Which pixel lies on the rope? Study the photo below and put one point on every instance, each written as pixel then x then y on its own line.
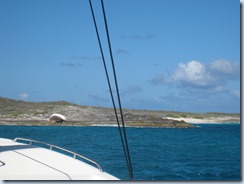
pixel 123 136
pixel 117 90
pixel 107 77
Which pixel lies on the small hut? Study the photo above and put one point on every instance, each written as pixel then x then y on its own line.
pixel 58 118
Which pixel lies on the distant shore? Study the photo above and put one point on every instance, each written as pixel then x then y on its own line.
pixel 166 124
pixel 169 122
pixel 14 112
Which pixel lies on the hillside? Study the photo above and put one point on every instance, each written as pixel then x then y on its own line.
pixel 38 113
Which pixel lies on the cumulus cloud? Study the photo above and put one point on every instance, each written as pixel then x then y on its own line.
pixel 193 73
pixel 24 96
pixel 212 86
pixel 198 75
pixel 225 69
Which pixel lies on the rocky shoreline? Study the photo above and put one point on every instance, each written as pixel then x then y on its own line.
pixel 13 112
pixel 127 124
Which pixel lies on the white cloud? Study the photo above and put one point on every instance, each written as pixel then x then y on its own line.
pixel 226 68
pixel 197 75
pixel 202 87
pixel 192 73
pixel 223 66
pixel 24 96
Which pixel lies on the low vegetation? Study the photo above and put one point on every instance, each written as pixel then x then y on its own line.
pixel 38 113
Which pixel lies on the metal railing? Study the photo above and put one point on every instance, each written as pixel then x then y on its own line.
pixel 75 155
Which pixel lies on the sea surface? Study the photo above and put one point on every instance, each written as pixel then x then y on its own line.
pixel 209 152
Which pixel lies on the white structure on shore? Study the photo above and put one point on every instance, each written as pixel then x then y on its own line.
pixel 58 118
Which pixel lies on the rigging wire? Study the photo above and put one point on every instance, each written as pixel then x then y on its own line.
pixel 117 90
pixel 123 136
pixel 108 81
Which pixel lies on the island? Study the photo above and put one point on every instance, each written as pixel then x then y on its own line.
pixel 16 112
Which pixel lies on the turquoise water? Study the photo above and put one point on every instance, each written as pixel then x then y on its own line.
pixel 210 152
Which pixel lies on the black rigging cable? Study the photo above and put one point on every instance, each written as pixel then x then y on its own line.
pixel 108 81
pixel 123 136
pixel 117 90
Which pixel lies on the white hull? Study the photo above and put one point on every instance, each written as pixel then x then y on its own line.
pixel 19 161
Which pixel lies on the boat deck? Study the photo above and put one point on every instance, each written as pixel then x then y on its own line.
pixel 19 161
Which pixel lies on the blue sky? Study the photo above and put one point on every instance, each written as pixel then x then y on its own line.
pixel 181 55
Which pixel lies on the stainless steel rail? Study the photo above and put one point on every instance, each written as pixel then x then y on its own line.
pixel 75 155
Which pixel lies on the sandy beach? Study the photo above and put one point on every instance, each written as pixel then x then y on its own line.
pixel 210 120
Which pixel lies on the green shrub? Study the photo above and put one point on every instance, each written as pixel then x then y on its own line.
pixel 197 117
pixel 172 116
